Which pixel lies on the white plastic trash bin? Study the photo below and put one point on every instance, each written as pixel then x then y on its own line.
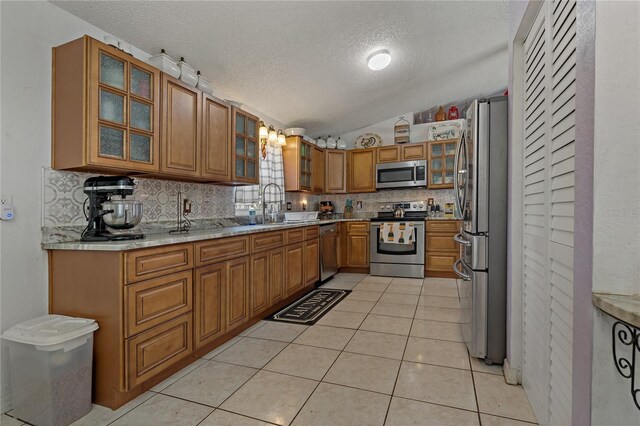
pixel 50 360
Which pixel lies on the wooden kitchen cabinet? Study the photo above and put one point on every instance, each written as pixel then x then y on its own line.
pixel 441 156
pixel 246 151
pixel 216 140
pixel 237 292
pixel 209 303
pixel 181 128
pixel 311 262
pixel 259 291
pixel 406 152
pixel 318 169
pixel 362 170
pixel 355 241
pixel 441 251
pixel 298 157
pixel 335 171
pixel 105 109
pixel 276 275
pixel 294 270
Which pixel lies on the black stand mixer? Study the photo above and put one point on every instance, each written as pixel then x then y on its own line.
pixel 104 211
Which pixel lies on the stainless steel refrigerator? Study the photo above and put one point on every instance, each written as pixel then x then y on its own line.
pixel 480 182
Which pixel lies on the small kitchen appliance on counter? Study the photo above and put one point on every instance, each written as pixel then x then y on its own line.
pixel 399 260
pixel 326 210
pixel 113 213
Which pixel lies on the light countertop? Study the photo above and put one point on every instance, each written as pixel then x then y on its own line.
pixel 621 306
pixel 165 238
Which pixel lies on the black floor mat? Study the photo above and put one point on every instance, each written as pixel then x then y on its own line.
pixel 311 307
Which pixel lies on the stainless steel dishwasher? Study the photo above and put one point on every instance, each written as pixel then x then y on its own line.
pixel 328 251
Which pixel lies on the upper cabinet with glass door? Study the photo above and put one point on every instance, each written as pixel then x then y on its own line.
pixel 115 127
pixel 442 156
pixel 246 147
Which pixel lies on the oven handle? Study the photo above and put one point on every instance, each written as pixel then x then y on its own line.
pixel 458 239
pixel 459 273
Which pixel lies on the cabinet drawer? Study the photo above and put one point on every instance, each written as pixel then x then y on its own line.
pixel 267 240
pixel 311 232
pixel 439 242
pixel 295 235
pixel 358 227
pixel 145 264
pixel 223 249
pixel 155 301
pixel 450 226
pixel 154 350
pixel 441 261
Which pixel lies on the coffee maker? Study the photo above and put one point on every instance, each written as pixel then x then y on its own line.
pixel 105 211
pixel 326 210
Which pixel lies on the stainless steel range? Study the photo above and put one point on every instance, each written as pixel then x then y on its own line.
pixel 398 259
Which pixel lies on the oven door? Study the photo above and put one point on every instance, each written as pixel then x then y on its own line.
pixel 406 174
pixel 397 253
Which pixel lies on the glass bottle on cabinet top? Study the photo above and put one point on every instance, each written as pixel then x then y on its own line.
pixel 246 147
pixel 441 163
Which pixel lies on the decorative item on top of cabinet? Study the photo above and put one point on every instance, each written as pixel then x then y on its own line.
pixel 298 160
pixel 245 140
pixel 441 115
pixel 181 127
pixel 335 164
pixel 362 168
pixel 441 163
pixel 441 249
pixel 106 109
pixel 401 131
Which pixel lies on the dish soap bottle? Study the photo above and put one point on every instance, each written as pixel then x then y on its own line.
pixel 252 216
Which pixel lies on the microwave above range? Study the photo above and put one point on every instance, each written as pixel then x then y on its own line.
pixel 403 174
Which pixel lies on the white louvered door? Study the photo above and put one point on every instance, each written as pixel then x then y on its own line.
pixel 548 167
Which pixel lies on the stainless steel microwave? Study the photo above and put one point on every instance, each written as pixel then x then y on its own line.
pixel 403 174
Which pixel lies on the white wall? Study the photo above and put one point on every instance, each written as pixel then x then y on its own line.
pixel 28 32
pixel 616 239
pixel 418 133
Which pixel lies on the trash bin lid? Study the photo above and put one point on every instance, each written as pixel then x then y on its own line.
pixel 50 330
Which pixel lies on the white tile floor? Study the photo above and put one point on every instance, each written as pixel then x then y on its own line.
pixel 390 353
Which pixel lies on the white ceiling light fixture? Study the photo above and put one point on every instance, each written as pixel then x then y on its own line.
pixel 379 60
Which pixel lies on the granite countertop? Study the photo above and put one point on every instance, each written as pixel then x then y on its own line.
pixel 621 306
pixel 165 238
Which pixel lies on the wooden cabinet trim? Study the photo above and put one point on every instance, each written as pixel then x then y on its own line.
pixel 152 302
pixel 150 263
pixel 218 250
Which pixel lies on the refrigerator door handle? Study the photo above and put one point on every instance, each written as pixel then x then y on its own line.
pixel 458 239
pixel 457 172
pixel 459 273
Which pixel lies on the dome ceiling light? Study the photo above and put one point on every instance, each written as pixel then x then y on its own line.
pixel 379 60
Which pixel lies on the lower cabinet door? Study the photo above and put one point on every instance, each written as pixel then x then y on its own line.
pixel 237 294
pixel 311 261
pixel 209 303
pixel 259 283
pixel 294 271
pixel 358 250
pixel 276 275
pixel 154 350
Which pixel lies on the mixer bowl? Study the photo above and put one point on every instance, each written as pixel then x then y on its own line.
pixel 126 213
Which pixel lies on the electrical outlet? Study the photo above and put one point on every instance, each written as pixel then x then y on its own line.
pixel 186 206
pixel 289 206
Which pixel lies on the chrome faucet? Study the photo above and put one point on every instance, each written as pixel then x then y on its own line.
pixel 264 203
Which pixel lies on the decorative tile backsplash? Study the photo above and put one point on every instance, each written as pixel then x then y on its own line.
pixel 63 199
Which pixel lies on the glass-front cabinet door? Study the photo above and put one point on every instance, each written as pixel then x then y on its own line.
pixel 124 93
pixel 441 163
pixel 305 166
pixel 247 148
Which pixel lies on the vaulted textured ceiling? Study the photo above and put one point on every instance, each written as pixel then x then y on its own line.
pixel 304 62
